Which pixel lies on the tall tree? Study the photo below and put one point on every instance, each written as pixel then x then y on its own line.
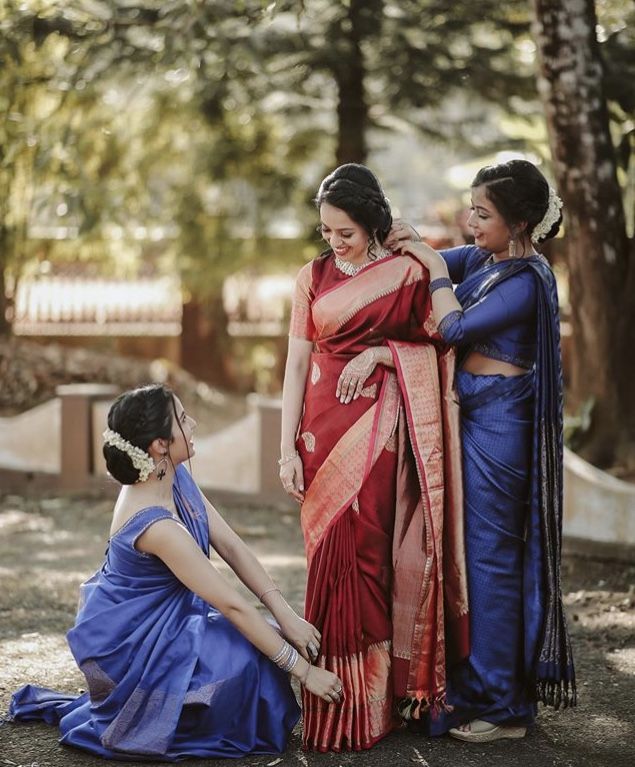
pixel 601 255
pixel 372 60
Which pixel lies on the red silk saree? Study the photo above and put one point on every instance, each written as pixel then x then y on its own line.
pixel 382 516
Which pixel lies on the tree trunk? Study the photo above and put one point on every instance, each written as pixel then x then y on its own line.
pixel 601 272
pixel 205 342
pixel 352 109
pixel 5 325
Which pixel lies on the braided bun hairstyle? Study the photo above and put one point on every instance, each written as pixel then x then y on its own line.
pixel 356 190
pixel 519 192
pixel 139 416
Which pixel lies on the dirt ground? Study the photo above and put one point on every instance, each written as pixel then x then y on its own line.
pixel 49 545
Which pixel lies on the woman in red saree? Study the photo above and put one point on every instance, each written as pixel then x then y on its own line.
pixel 370 448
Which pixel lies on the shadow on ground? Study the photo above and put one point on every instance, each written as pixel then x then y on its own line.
pixel 48 546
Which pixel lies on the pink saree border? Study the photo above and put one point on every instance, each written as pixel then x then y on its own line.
pixel 342 475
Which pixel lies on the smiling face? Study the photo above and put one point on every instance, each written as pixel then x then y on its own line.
pixel 183 425
pixel 491 231
pixel 348 239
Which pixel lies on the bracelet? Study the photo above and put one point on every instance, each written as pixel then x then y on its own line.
pixel 287 458
pixel 286 657
pixel 268 591
pixel 440 282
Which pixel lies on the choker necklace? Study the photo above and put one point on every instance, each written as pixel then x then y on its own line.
pixel 352 269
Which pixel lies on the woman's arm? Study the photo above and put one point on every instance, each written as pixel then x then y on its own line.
pixel 508 303
pixel 295 375
pixel 233 550
pixel 444 301
pixel 169 541
pixel 511 302
pixel 456 258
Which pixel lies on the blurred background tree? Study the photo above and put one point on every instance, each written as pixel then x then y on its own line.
pixel 584 85
pixel 204 127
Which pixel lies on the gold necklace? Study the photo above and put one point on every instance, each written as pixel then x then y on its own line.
pixel 349 269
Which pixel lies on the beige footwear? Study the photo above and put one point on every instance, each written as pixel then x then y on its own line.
pixel 485 732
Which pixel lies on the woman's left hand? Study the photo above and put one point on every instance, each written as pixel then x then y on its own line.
pixel 426 255
pixel 401 231
pixel 301 634
pixel 353 377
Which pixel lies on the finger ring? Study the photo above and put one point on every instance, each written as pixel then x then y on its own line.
pixel 339 690
pixel 313 650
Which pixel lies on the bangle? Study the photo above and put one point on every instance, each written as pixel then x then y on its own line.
pixel 440 282
pixel 286 657
pixel 268 591
pixel 287 458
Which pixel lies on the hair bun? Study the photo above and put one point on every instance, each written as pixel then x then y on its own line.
pixel 356 190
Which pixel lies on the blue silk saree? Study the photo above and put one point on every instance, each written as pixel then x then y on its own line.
pixel 512 472
pixel 168 676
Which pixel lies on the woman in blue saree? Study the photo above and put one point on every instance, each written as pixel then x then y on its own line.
pixel 504 320
pixel 178 664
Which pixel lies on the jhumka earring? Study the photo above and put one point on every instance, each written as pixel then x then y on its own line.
pixel 512 248
pixel 161 472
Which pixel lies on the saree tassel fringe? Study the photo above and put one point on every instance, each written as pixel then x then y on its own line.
pixel 412 709
pixel 557 694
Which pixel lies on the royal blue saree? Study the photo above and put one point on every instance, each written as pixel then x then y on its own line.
pixel 168 676
pixel 512 476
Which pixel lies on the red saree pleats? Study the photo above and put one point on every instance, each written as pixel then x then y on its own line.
pixel 373 526
pixel 349 597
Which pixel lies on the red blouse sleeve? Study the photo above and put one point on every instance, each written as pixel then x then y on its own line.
pixel 301 325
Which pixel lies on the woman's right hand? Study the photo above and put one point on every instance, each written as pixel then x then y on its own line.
pixel 325 684
pixel 292 478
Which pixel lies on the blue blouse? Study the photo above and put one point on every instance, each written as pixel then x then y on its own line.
pixel 502 325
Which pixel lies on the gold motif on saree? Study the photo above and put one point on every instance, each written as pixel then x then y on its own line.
pixel 370 392
pixel 355 505
pixel 315 373
pixel 309 441
pixel 430 326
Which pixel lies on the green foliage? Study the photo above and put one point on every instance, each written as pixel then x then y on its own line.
pixel 208 124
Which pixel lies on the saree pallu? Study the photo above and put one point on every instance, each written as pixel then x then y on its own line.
pixel 382 512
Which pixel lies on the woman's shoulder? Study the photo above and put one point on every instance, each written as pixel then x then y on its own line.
pixel 305 277
pixel 409 265
pixel 129 517
pixel 473 257
pixel 542 268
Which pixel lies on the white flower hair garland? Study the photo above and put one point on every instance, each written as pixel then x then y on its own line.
pixel 140 459
pixel 543 227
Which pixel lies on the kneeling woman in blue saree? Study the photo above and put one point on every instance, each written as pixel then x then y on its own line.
pixel 504 319
pixel 178 664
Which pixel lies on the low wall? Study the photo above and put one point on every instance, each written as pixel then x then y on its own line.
pixel 30 441
pixel 62 438
pixel 597 506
